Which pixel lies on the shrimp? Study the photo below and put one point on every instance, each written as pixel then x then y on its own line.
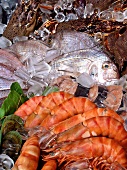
pixel 96 126
pixel 77 105
pixel 50 165
pixel 74 120
pixel 97 163
pixel 90 148
pixel 78 127
pixel 45 106
pixel 29 157
pixel 28 107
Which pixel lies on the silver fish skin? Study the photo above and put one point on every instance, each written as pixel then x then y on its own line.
pixel 79 54
pixel 9 59
pixel 7 72
pixel 70 53
pixel 34 49
pixel 9 64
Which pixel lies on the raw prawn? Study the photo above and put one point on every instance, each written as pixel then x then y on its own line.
pixel 89 148
pixel 29 157
pixel 45 106
pixel 28 107
pixel 50 165
pixel 67 109
pixel 97 163
pixel 74 120
pixel 96 126
pixel 78 127
pixel 75 106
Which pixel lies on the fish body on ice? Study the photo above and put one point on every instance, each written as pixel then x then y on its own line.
pixel 67 53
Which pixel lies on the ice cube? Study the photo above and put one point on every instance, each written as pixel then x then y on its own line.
pixel 85 80
pixel 4 42
pixel 71 16
pixel 98 37
pixel 20 38
pixel 106 15
pixel 125 14
pixel 2 28
pixel 60 17
pixel 13 4
pixel 57 8
pixel 88 9
pixel 118 16
pixel 5 5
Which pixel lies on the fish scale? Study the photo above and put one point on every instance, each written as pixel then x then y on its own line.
pixel 70 53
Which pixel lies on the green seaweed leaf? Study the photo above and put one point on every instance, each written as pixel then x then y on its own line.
pixel 15 98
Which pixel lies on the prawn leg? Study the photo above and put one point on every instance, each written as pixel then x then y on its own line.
pixel 89 148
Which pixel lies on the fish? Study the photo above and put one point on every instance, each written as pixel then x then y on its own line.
pixel 79 53
pixel 34 62
pixel 9 64
pixel 67 53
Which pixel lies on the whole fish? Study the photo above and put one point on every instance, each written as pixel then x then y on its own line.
pixel 67 53
pixel 9 63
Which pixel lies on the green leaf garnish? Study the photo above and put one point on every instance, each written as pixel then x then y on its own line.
pixel 15 98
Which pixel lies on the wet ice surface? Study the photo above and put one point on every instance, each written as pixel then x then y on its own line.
pixel 6 162
pixel 6 9
pixel 4 42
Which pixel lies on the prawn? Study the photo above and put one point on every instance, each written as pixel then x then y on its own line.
pixel 81 106
pixel 67 109
pixel 78 127
pixel 45 106
pixel 96 126
pixel 96 113
pixel 97 163
pixel 50 165
pixel 90 148
pixel 28 107
pixel 29 157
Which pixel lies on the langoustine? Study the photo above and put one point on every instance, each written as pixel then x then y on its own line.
pixel 84 126
pixel 96 126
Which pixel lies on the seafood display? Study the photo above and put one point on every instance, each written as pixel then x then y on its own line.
pixel 76 130
pixel 56 46
pixel 34 115
pixel 104 96
pixel 67 55
pixel 63 84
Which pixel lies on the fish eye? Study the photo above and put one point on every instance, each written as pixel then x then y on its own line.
pixel 92 74
pixel 105 66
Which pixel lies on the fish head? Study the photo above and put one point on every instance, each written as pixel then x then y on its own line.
pixel 105 72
